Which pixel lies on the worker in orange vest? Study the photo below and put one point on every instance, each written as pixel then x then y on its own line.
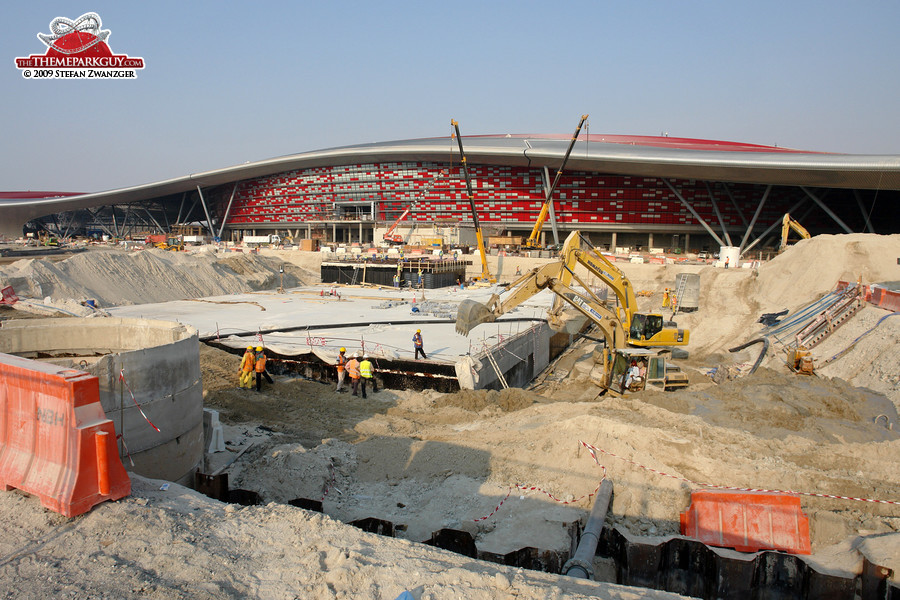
pixel 261 368
pixel 341 370
pixel 353 372
pixel 248 362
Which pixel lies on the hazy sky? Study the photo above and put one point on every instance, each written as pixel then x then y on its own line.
pixel 226 83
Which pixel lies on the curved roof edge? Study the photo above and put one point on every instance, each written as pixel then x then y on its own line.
pixel 677 158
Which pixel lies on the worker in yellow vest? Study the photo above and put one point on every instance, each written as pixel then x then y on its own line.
pixel 341 369
pixel 367 373
pixel 248 363
pixel 261 368
pixel 666 299
pixel 353 372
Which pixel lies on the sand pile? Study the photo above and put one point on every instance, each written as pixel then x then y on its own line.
pixel 114 277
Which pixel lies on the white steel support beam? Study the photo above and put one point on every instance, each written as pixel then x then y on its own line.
pixel 827 210
pixel 227 211
pixel 759 208
pixel 734 203
pixel 712 199
pixel 862 209
pixel 206 212
pixel 777 223
pixel 695 213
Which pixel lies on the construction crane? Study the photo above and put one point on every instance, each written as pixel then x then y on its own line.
pixel 395 238
pixel 532 241
pixel 643 330
pixel 479 236
pixel 787 223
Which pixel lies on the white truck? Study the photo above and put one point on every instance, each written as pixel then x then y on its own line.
pixel 261 240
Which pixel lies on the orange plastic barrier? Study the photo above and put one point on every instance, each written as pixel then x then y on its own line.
pixel 55 439
pixel 747 521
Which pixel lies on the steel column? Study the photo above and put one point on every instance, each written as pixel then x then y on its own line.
pixel 827 210
pixel 718 214
pixel 862 209
pixel 695 213
pixel 734 202
pixel 771 227
pixel 206 212
pixel 227 211
pixel 759 208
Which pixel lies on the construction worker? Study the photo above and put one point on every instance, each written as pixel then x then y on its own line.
pixel 417 342
pixel 674 302
pixel 666 298
pixel 367 373
pixel 261 368
pixel 341 371
pixel 353 372
pixel 248 362
pixel 420 278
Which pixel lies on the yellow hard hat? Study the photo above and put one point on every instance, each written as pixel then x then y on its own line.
pixel 249 347
pixel 418 331
pixel 343 349
pixel 259 348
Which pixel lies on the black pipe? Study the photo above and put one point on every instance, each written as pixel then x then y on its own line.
pixel 764 341
pixel 581 565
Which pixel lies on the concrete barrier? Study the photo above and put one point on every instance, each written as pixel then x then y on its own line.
pixel 149 381
pixel 55 441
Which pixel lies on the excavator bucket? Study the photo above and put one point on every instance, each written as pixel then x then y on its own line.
pixel 471 314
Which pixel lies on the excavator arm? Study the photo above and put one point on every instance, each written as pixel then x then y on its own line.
pixel 599 266
pixel 643 330
pixel 473 313
pixel 787 223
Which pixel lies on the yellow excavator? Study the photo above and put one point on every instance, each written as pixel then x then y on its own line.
pixel 787 223
pixel 642 329
pixel 486 276
pixel 621 326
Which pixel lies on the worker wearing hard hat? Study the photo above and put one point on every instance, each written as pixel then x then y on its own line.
pixel 367 373
pixel 353 372
pixel 341 369
pixel 261 368
pixel 666 299
pixel 245 372
pixel 417 342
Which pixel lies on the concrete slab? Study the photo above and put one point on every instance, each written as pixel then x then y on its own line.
pixel 378 321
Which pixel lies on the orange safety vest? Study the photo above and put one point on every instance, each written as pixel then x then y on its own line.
pixel 342 360
pixel 353 368
pixel 247 362
pixel 260 362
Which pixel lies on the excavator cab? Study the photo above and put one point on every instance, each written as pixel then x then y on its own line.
pixel 652 330
pixel 653 371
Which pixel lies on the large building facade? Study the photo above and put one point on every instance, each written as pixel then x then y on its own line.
pixel 663 192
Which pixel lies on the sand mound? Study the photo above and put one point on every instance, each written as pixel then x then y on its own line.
pixel 114 277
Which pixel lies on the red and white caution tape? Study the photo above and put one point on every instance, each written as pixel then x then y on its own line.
pixel 531 488
pixel 594 450
pixel 124 381
pixel 329 484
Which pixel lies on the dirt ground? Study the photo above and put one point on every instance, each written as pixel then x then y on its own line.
pixel 509 467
